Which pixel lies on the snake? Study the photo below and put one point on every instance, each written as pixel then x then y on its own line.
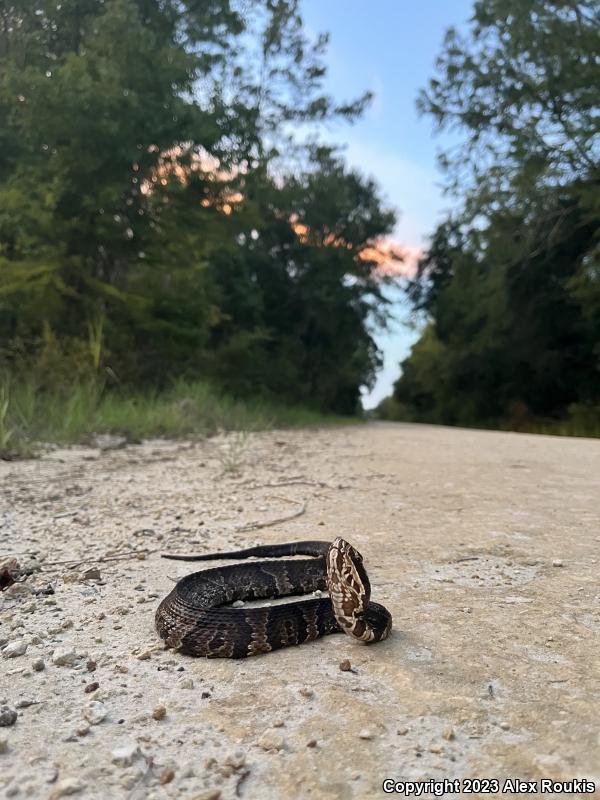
pixel 200 616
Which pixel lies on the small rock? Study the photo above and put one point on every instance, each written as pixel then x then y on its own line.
pixel 186 683
pixel 90 665
pixel 91 687
pixel 278 723
pixel 204 695
pixel 435 748
pixel 505 726
pixel 345 665
pixel 92 574
pixel 109 441
pixel 311 743
pixel 38 665
pixel 65 658
pixel 365 733
pixel 82 730
pixel 125 756
pixel 211 794
pixel 271 740
pixel 166 776
pixel 25 703
pixel 66 787
pixel 8 717
pixel 448 733
pixel 402 731
pixel 159 713
pixel 235 760
pixel 306 692
pixel 144 656
pixel 238 603
pixel 14 649
pixel 558 562
pixel 95 712
pixel 3 744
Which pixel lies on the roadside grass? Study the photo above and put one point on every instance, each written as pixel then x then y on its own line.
pixel 29 417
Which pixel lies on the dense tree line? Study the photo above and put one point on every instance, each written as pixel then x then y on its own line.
pixel 509 288
pixel 166 209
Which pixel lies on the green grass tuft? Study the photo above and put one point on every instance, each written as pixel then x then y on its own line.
pixel 29 417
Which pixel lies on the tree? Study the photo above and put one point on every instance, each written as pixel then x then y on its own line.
pixel 154 194
pixel 297 298
pixel 509 284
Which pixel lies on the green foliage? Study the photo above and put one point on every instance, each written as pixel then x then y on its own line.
pixel 29 417
pixel 148 215
pixel 509 285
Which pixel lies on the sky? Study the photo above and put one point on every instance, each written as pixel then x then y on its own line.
pixel 390 47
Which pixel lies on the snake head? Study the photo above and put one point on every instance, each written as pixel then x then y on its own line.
pixel 348 584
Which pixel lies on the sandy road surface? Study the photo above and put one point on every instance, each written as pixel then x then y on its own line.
pixel 485 547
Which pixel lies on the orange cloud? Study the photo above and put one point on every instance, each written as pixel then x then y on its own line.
pixel 394 259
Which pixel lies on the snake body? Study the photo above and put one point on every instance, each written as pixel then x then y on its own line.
pixel 194 617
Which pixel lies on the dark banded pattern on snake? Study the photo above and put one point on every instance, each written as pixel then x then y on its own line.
pixel 195 618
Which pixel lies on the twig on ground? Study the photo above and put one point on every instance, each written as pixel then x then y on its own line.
pixel 291 482
pixel 76 562
pixel 254 526
pixel 67 513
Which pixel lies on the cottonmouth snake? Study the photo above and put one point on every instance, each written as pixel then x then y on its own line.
pixel 194 619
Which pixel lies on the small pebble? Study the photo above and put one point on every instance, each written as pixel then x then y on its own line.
pixel 402 731
pixel 15 649
pixel 235 760
pixel 558 562
pixel 311 743
pixel 66 787
pixel 3 744
pixel 125 756
pixel 505 726
pixel 144 656
pixel 82 730
pixel 166 776
pixel 91 687
pixel 435 748
pixel 92 574
pixel 238 604
pixel 271 740
pixel 95 712
pixel 278 723
pixel 64 658
pixel 38 665
pixel 159 713
pixel 306 692
pixel 90 665
pixel 211 794
pixel 345 665
pixel 8 717
pixel 448 733
pixel 25 703
pixel 186 683
pixel 365 733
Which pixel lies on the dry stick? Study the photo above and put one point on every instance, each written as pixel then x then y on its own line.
pixel 291 482
pixel 75 562
pixel 254 526
pixel 67 513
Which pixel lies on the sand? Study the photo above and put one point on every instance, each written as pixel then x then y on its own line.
pixel 485 547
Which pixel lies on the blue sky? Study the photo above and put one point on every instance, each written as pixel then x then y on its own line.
pixel 389 47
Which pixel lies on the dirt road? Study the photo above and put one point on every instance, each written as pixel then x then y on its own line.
pixel 485 547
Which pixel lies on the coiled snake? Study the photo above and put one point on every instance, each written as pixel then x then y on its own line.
pixel 194 619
